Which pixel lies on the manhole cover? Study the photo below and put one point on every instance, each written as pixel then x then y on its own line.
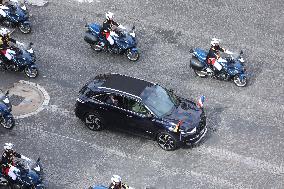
pixel 27 99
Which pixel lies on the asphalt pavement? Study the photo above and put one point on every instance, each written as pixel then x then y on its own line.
pixel 244 147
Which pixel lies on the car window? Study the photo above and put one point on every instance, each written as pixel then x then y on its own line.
pixel 135 106
pixel 114 100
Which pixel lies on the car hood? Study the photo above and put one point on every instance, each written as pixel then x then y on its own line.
pixel 187 112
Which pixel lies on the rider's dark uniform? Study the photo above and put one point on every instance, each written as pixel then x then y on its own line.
pixel 214 54
pixel 122 186
pixel 7 160
pixel 107 27
pixel 4 45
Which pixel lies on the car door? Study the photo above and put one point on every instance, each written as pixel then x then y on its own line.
pixel 139 120
pixel 111 107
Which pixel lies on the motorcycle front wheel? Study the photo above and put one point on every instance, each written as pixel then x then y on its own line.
pixel 240 82
pixel 25 28
pixel 31 72
pixel 133 56
pixel 8 123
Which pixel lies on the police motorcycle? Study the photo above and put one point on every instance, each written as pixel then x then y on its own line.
pixel 29 176
pixel 6 118
pixel 125 41
pixel 17 15
pixel 23 60
pixel 229 67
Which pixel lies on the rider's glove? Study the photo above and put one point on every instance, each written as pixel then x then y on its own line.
pixel 19 43
pixel 228 52
pixel 25 158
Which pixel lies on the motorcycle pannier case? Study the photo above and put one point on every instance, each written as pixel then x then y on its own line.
pixel 89 38
pixel 196 64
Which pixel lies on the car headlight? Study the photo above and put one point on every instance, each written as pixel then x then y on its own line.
pixel 189 132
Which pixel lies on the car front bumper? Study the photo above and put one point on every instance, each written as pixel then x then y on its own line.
pixel 194 139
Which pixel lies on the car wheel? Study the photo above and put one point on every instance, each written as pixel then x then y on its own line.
pixel 94 121
pixel 167 141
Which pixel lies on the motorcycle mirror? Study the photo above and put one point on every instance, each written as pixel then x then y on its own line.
pixel 38 160
pixel 133 27
pixel 31 43
pixel 7 93
pixel 242 52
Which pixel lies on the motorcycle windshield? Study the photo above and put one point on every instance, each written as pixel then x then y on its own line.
pixel 23 57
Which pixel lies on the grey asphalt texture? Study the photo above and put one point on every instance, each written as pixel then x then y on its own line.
pixel 244 147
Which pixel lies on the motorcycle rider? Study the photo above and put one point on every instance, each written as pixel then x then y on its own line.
pixel 2 6
pixel 5 50
pixel 214 54
pixel 7 161
pixel 107 28
pixel 116 183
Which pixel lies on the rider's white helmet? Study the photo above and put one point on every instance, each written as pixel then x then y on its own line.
pixel 215 42
pixel 115 178
pixel 109 15
pixel 4 31
pixel 8 146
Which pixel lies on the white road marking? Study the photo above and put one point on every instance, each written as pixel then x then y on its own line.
pixel 37 2
pixel 152 163
pixel 43 105
pixel 250 162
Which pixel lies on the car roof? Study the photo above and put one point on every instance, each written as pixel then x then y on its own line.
pixel 127 84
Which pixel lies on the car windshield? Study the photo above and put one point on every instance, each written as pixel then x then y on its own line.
pixel 160 101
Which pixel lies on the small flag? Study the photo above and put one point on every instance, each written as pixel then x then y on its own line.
pixel 176 129
pixel 201 101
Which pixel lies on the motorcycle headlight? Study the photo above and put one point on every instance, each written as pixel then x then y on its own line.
pixel 31 50
pixel 241 60
pixel 6 101
pixel 132 34
pixel 24 7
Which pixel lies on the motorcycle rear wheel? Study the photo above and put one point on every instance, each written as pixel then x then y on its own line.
pixel 240 83
pixel 31 72
pixel 25 28
pixel 133 56
pixel 199 73
pixel 96 47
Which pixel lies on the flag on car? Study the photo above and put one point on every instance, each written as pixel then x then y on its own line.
pixel 201 101
pixel 176 129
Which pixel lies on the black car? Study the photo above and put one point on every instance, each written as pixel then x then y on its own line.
pixel 144 108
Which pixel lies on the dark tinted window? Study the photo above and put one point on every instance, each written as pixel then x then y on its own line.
pixel 134 106
pixel 114 100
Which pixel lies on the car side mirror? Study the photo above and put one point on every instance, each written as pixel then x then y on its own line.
pixel 171 91
pixel 191 50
